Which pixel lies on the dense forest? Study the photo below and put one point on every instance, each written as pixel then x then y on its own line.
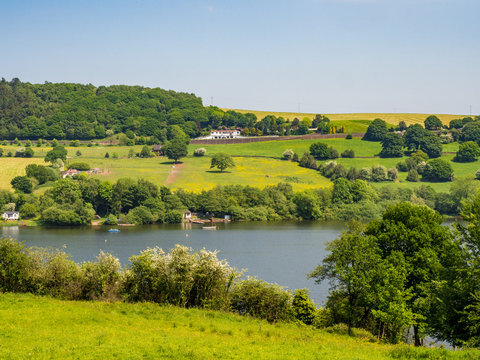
pixel 76 111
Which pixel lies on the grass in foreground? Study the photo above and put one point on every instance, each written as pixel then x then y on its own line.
pixel 45 328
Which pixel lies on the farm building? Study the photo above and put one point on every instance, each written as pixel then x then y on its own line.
pixel 11 215
pixel 158 150
pixel 224 134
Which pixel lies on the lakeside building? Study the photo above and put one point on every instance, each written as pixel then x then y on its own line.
pixel 11 215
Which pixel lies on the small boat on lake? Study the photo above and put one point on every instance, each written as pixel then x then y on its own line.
pixel 113 230
pixel 214 227
pixel 211 227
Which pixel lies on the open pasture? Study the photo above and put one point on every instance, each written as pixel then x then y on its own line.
pixel 391 118
pixel 257 164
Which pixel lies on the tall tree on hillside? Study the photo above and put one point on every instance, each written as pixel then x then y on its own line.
pixel 376 131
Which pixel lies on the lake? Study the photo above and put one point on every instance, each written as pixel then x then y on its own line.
pixel 276 252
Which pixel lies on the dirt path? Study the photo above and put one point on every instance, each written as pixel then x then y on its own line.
pixel 174 173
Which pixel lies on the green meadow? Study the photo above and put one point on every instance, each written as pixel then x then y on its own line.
pixel 36 327
pixel 257 164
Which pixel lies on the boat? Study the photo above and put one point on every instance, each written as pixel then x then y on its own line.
pixel 211 227
pixel 113 230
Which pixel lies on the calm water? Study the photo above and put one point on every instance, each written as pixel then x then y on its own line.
pixel 282 253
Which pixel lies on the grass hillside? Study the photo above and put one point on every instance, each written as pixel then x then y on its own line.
pixel 391 118
pixel 44 328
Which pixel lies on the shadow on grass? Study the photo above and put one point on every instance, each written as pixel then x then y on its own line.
pixel 171 163
pixel 219 172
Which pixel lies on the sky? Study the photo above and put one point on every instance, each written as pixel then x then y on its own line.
pixel 318 56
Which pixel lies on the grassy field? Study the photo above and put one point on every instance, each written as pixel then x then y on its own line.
pixel 258 164
pixel 391 118
pixel 44 328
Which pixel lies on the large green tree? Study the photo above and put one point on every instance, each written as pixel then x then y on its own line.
pixel 376 131
pixel 222 161
pixel 176 149
pixel 392 146
pixel 58 152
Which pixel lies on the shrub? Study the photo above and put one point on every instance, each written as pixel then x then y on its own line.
pixel 304 309
pixel 392 174
pixel 332 153
pixel 477 175
pixel 173 217
pixel 412 175
pixel 402 166
pixel 22 184
pixel 468 151
pixel 379 173
pixel 111 220
pixel 199 152
pixel 28 210
pixel 262 300
pixel 365 174
pixel 146 152
pixel 295 157
pixel 320 151
pixel 438 170
pixel 140 215
pixel 101 279
pixel 81 166
pixel 14 267
pixel 349 137
pixel 348 154
pixel 288 154
pixel 181 277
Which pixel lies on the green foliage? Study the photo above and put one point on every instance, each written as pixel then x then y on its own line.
pixel 413 175
pixel 146 152
pixel 288 154
pixel 22 184
pixel 58 152
pixel 263 300
pixel 176 148
pixel 392 146
pixel 433 123
pixel 81 166
pixel 468 151
pixel 140 215
pixel 376 131
pixel 111 220
pixel 199 152
pixel 222 161
pixel 438 170
pixel 350 154
pixel 303 307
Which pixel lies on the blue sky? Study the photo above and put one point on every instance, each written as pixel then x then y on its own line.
pixel 319 56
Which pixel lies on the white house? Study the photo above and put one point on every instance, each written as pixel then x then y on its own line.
pixel 224 134
pixel 11 215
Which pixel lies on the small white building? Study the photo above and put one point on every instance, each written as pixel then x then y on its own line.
pixel 224 134
pixel 10 215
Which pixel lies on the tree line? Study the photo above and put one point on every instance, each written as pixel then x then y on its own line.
pixel 407 271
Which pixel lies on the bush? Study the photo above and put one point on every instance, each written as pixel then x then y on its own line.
pixel 412 175
pixel 100 280
pixel 173 217
pixel 332 153
pixel 349 137
pixel 348 154
pixel 111 220
pixel 477 174
pixel 438 170
pixel 140 215
pixel 262 300
pixel 182 277
pixel 304 309
pixel 288 154
pixel 199 152
pixel 15 267
pixel 402 166
pixel 379 173
pixel 392 174
pixel 81 166
pixel 22 184
pixel 468 151
pixel 27 211
pixel 365 174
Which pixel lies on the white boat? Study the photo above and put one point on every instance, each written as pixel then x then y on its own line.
pixel 209 227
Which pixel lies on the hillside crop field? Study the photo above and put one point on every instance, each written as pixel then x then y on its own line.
pixel 257 164
pixel 44 328
pixel 391 118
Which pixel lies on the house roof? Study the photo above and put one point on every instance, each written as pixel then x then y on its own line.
pixel 225 131
pixel 11 212
pixel 157 147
